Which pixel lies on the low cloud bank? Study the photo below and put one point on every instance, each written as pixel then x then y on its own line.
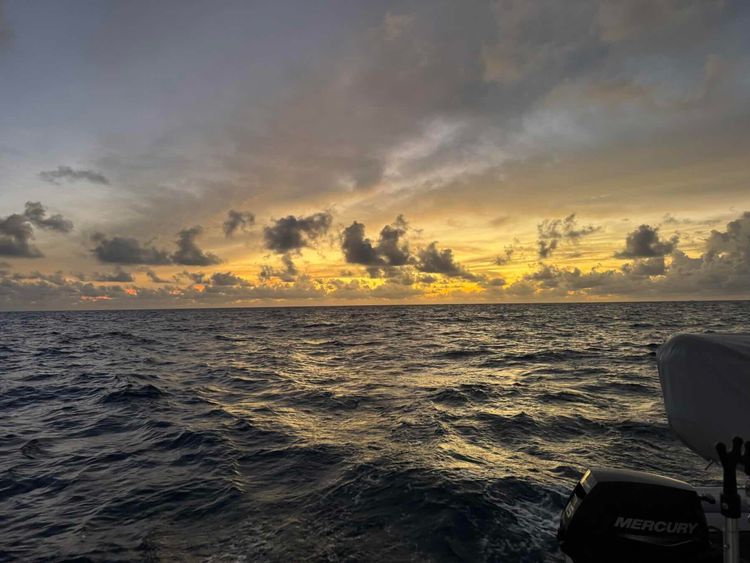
pixel 659 269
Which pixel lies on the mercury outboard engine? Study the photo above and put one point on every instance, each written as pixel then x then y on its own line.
pixel 616 515
pixel 630 516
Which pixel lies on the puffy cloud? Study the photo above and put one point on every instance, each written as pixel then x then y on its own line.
pixel 646 267
pixel 36 213
pixel 124 250
pixel 16 234
pixel 188 253
pixel 392 258
pixel 357 248
pixel 291 234
pixel 561 281
pixel 734 243
pixel 435 261
pixel 390 252
pixel 552 231
pixel 644 242
pixel 17 230
pixel 391 247
pixel 227 279
pixel 237 220
pixel 68 174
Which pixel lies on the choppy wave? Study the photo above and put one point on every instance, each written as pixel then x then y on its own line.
pixel 446 433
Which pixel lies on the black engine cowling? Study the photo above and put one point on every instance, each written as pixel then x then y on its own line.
pixel 619 515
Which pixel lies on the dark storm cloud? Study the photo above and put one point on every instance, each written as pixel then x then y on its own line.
pixel 68 174
pixel 552 231
pixel 291 234
pixel 118 275
pixel 435 261
pixel 237 220
pixel 644 242
pixel 124 250
pixel 188 253
pixel 17 230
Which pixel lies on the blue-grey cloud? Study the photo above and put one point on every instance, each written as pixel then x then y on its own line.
pixel 68 174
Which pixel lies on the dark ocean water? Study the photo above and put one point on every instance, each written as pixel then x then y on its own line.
pixel 445 433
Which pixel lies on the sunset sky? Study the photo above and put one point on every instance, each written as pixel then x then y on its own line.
pixel 194 154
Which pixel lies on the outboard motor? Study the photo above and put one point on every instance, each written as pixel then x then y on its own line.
pixel 630 516
pixel 615 515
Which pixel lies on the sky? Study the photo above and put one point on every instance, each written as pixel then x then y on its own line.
pixel 238 153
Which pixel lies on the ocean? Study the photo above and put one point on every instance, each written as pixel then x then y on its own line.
pixel 414 433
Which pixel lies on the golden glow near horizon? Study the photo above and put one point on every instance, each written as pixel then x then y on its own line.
pixel 498 152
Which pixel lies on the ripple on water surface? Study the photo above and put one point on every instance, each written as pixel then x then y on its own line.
pixel 446 433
